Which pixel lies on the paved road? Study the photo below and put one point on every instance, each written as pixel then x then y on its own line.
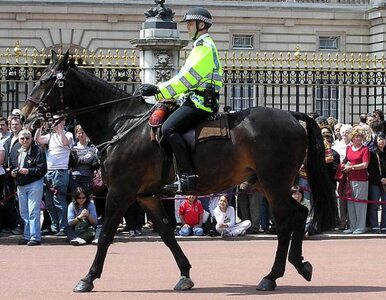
pixel 343 269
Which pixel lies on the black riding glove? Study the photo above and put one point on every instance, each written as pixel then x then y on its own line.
pixel 149 89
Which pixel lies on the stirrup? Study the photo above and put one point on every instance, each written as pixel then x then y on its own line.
pixel 184 185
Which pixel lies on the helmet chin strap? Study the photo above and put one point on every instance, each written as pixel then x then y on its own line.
pixel 197 30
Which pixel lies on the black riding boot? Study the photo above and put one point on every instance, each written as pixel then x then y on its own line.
pixel 187 182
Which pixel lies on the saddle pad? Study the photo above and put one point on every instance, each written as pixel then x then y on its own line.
pixel 214 129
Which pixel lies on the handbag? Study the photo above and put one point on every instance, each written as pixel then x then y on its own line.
pixel 73 159
pixel 345 188
pixel 85 230
pixel 339 175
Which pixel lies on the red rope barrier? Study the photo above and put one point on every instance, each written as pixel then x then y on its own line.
pixel 5 199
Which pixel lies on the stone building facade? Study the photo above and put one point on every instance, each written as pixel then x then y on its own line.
pixel 258 33
pixel 350 26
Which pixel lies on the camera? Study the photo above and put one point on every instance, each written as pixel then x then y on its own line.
pixel 16 170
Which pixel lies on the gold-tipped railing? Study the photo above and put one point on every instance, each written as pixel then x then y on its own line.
pixel 129 59
pixel 106 58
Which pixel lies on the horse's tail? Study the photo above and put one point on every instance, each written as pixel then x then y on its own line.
pixel 323 193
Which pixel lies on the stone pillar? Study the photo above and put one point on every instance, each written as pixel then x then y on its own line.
pixel 159 44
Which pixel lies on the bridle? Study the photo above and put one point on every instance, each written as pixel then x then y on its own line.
pixel 64 112
pixel 44 111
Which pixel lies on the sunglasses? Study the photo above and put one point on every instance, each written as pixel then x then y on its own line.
pixel 82 197
pixel 25 138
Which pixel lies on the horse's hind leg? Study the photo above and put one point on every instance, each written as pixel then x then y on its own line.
pixel 295 253
pixel 268 283
pixel 116 205
pixel 155 209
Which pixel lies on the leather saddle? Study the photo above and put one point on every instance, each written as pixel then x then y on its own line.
pixel 213 129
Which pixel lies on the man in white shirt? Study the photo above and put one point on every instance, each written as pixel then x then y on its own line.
pixel 57 178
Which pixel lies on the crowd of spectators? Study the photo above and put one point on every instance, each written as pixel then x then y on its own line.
pixel 36 175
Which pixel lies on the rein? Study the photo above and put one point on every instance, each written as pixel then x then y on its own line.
pixel 65 112
pixel 116 138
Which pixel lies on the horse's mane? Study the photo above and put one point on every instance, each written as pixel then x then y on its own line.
pixel 100 86
pixel 122 113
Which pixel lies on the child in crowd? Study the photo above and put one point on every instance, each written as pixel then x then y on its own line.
pixel 191 215
pixel 225 218
pixel 297 193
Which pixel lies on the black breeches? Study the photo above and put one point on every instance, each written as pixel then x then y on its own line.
pixel 183 119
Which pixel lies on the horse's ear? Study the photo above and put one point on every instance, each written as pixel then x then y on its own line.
pixel 54 56
pixel 64 61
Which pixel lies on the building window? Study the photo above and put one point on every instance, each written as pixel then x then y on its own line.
pixel 242 41
pixel 329 43
pixel 327 100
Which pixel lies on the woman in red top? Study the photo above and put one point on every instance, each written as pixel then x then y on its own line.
pixel 357 160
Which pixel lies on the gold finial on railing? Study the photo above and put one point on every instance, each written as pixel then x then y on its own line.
pixel 305 60
pixel 249 59
pixel 383 61
pixel 257 59
pixel 288 59
pixel 241 59
pixel 43 55
pixel 92 57
pixel 109 57
pixel 321 60
pixel 265 59
pixel 352 60
pixel 344 60
pixel 297 56
pixel 233 59
pixel 313 60
pixel 100 57
pixel 125 58
pixel 117 57
pixel 360 61
pixel 35 55
pixel 133 58
pixel 76 56
pixel 375 61
pixel 329 60
pixel 281 60
pixel 336 60
pixel 273 59
pixel 17 51
pixel 60 53
pixel 26 56
pixel 225 58
pixel 7 55
pixel 367 61
pixel 84 57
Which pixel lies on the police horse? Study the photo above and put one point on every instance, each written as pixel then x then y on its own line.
pixel 267 147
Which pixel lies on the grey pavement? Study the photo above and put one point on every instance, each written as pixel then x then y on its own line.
pixel 150 236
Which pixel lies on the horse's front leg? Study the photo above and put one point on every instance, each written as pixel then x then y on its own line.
pixel 116 205
pixel 154 208
pixel 295 253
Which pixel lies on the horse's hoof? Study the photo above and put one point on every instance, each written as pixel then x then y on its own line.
pixel 266 285
pixel 184 284
pixel 306 271
pixel 83 287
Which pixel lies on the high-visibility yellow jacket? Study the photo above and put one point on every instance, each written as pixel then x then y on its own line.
pixel 202 69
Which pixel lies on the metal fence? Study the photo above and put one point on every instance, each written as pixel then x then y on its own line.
pixel 340 85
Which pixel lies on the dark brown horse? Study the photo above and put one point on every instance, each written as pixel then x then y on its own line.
pixel 267 147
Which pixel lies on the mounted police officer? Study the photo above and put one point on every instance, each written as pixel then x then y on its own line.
pixel 196 87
